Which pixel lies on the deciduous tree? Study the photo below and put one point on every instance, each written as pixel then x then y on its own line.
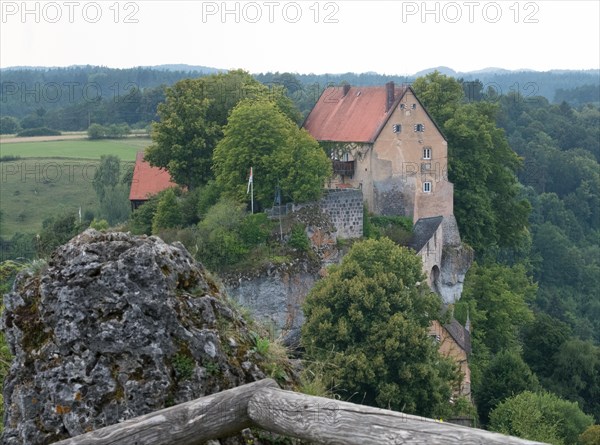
pixel 368 321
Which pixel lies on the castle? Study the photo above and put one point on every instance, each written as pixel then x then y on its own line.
pixel 383 141
pixel 389 153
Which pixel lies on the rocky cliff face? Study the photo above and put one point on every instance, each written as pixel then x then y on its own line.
pixel 115 327
pixel 456 261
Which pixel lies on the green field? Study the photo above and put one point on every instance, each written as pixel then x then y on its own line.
pixel 82 149
pixel 53 177
pixel 33 189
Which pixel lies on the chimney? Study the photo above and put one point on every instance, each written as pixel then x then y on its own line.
pixel 346 88
pixel 389 88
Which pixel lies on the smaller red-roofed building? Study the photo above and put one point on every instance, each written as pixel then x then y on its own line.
pixel 147 181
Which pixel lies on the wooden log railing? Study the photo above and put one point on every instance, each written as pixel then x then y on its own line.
pixel 262 404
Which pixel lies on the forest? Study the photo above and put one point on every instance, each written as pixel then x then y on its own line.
pixel 527 200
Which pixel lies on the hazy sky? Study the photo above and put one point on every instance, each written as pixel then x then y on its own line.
pixel 391 37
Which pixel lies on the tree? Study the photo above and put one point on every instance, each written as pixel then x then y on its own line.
pixel 441 95
pixel 115 205
pixel 57 230
pixel 168 213
pixel 481 165
pixel 9 125
pixel 576 374
pixel 107 175
pixel 192 119
pixel 591 436
pixel 368 321
pixel 506 376
pixel 260 136
pixel 498 299
pixel 541 340
pixel 542 417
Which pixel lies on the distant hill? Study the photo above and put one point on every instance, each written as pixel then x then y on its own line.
pixel 68 98
pixel 187 68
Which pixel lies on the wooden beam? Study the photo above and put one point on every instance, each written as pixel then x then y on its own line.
pixel 216 416
pixel 333 422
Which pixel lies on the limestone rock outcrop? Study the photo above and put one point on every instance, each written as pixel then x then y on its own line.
pixel 116 326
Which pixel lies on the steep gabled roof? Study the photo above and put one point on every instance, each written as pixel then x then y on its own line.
pixel 355 114
pixel 423 230
pixel 148 180
pixel 461 336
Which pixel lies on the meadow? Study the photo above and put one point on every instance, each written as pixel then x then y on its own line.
pixel 79 149
pixel 53 177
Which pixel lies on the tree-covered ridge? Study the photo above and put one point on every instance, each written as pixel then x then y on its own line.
pixel 73 98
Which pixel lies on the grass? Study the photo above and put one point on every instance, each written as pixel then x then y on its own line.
pixel 33 189
pixel 53 177
pixel 125 148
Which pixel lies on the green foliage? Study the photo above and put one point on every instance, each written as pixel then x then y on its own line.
pixel 9 125
pixel 542 417
pixel 591 436
pixel 112 192
pixel 56 231
pixel 41 131
pixel 259 135
pixel 481 165
pixel 396 228
pixel 576 374
pixel 542 339
pixel 262 345
pixel 140 220
pixel 184 366
pixel 114 131
pixel 255 229
pixel 498 299
pixel 368 319
pixel 168 212
pixel 208 196
pixel 298 238
pixel 506 376
pixel 219 240
pixel 101 224
pixel 441 94
pixel 107 174
pixel 192 118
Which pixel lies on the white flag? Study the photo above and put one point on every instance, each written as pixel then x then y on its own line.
pixel 250 180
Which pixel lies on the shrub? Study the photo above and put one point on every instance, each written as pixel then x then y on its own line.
pixel 590 436
pixel 101 224
pixel 298 239
pixel 41 131
pixel 544 417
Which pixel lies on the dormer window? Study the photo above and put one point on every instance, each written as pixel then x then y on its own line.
pixel 427 153
pixel 419 128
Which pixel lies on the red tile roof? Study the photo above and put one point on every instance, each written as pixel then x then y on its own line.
pixel 357 116
pixel 148 180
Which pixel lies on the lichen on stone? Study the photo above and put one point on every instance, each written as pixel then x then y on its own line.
pixel 117 326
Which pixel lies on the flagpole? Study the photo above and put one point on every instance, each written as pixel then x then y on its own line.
pixel 252 196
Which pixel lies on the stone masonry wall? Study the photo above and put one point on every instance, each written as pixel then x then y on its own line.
pixel 345 210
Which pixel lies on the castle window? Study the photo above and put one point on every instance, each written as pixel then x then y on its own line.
pixel 402 106
pixel 419 127
pixel 427 153
pixel 414 106
pixel 397 128
pixel 427 187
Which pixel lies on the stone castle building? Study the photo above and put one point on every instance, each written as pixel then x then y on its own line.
pixel 383 141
